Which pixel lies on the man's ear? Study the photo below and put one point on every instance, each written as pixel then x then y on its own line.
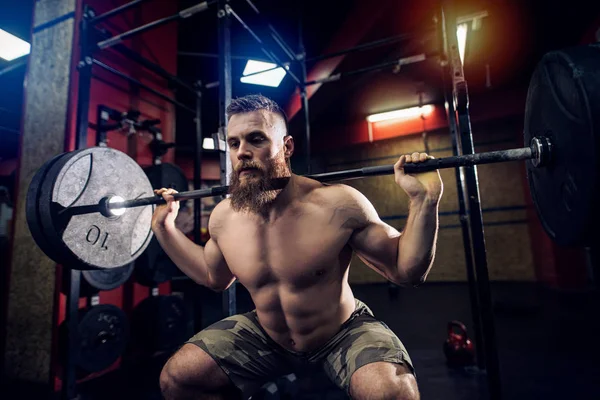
pixel 288 146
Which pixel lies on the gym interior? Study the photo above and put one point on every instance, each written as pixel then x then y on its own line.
pixel 508 308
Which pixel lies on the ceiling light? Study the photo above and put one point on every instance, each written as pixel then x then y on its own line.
pixel 208 144
pixel 271 77
pixel 461 35
pixel 12 47
pixel 402 114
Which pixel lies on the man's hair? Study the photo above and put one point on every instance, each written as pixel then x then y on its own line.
pixel 256 102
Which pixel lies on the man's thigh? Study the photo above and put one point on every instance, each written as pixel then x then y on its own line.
pixel 365 341
pixel 242 351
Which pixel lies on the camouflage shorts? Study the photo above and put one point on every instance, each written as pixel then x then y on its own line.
pixel 250 357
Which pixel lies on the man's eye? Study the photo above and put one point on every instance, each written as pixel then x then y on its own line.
pixel 233 145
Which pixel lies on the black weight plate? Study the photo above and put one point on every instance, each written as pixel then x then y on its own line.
pixel 101 337
pixel 95 280
pixel 108 279
pixel 159 323
pixel 154 266
pixel 92 241
pixel 563 104
pixel 32 210
pixel 167 176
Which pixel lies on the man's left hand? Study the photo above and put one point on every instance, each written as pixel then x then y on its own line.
pixel 419 186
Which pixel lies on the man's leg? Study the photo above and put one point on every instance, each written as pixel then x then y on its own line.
pixel 383 380
pixel 192 374
pixel 368 361
pixel 230 358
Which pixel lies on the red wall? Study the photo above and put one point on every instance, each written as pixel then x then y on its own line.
pixel 160 46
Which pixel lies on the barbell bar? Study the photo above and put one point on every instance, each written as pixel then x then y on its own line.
pixel 77 214
pixel 539 152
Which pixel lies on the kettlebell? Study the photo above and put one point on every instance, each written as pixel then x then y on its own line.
pixel 458 348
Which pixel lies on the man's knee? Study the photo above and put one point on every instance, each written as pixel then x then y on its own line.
pixel 191 369
pixel 384 381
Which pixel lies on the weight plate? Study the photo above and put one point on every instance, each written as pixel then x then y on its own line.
pixel 563 104
pixel 167 176
pixel 108 279
pixel 95 280
pixel 154 266
pixel 92 241
pixel 159 323
pixel 101 337
pixel 32 210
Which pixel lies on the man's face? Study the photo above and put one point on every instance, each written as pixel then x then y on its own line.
pixel 259 151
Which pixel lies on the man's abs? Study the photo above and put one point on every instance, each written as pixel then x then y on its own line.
pixel 303 321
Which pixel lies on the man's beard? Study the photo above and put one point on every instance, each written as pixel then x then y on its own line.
pixel 255 193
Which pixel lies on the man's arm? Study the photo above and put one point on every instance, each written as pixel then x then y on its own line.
pixel 406 258
pixel 403 258
pixel 204 265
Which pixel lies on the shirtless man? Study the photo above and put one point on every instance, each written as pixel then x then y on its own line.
pixel 291 249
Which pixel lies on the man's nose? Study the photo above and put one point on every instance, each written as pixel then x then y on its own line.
pixel 244 152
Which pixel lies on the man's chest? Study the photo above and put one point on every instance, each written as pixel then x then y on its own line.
pixel 295 248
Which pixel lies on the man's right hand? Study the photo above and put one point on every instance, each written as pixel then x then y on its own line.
pixel 164 215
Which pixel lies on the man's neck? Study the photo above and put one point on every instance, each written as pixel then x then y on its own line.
pixel 284 198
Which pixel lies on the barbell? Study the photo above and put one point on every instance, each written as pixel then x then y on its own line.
pixel 78 215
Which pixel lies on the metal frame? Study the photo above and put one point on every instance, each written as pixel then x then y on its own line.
pixel 457 94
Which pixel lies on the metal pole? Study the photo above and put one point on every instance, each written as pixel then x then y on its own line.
pixel 268 53
pixel 198 168
pixel 365 46
pixel 463 213
pixel 214 55
pixel 303 93
pixel 461 98
pixel 136 57
pixel 188 12
pixel 225 89
pixel 141 85
pixel 69 379
pixel 399 62
pixel 115 11
pixel 277 38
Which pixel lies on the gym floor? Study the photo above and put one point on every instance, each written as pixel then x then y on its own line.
pixel 547 341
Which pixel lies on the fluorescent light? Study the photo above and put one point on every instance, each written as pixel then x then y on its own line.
pixel 401 114
pixel 461 35
pixel 271 77
pixel 208 144
pixel 12 47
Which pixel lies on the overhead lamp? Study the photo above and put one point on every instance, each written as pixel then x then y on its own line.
pixel 461 36
pixel 271 74
pixel 402 114
pixel 12 47
pixel 208 144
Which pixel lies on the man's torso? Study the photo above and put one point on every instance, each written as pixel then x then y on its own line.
pixel 295 266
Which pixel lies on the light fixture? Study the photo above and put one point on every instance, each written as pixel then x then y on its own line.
pixel 208 144
pixel 402 114
pixel 461 35
pixel 272 75
pixel 12 47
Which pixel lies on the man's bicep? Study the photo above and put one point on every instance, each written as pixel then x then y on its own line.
pixel 376 244
pixel 219 274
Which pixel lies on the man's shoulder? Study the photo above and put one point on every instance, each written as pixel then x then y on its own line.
pixel 339 193
pixel 219 215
